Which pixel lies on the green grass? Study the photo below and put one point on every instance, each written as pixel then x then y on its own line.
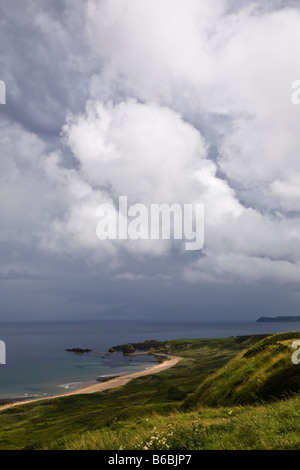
pixel 272 427
pixel 165 411
pixel 263 373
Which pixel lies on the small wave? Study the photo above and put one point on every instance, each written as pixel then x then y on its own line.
pixel 70 385
pixel 112 375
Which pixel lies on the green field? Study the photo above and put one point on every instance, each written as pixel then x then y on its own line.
pixel 232 393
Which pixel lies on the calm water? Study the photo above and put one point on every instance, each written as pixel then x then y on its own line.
pixel 38 365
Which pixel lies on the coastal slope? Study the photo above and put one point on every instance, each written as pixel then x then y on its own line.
pixel 263 373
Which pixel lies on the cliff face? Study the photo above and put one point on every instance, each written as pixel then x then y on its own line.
pixel 279 319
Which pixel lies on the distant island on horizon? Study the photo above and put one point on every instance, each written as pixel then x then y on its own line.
pixel 279 319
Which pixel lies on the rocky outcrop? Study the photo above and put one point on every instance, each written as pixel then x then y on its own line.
pixel 79 350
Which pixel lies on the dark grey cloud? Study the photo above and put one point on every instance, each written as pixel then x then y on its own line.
pixel 42 62
pixel 13 275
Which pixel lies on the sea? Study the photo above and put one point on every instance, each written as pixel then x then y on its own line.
pixel 38 365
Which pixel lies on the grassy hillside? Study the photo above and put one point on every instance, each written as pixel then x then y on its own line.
pixel 272 427
pixel 263 373
pixel 155 411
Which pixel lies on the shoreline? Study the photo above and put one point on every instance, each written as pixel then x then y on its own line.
pixel 107 385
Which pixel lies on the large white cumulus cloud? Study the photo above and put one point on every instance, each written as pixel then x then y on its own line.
pixel 140 150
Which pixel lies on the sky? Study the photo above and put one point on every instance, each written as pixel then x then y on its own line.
pixel 161 101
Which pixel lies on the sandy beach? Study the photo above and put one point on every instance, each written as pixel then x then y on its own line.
pixel 102 386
